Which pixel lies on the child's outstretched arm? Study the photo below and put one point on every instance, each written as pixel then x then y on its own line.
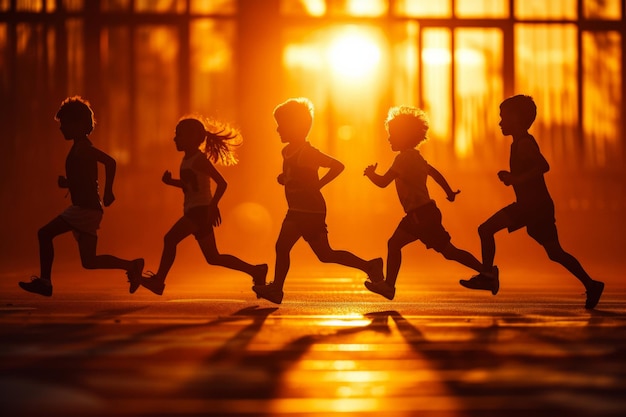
pixel 110 167
pixel 380 180
pixel 439 179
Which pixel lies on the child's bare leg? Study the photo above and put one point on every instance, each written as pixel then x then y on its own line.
pixel 286 239
pixel 486 231
pixel 397 241
pixel 46 249
pixel 181 229
pixel 87 247
pixel 461 256
pixel 557 254
pixel 326 254
pixel 213 257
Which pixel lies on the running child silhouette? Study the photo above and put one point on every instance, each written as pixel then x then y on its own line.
pixel 306 212
pixel 407 128
pixel 83 217
pixel 533 208
pixel 200 211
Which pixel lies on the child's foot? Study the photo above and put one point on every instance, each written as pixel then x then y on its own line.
pixel 270 292
pixel 381 288
pixel 375 270
pixel 483 281
pixel 258 278
pixel 134 275
pixel 594 291
pixel 38 286
pixel 153 283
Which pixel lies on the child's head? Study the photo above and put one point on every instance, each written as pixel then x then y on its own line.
pixel 215 139
pixel 76 117
pixel 407 127
pixel 294 118
pixel 517 114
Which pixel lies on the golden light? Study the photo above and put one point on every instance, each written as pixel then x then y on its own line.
pixel 353 54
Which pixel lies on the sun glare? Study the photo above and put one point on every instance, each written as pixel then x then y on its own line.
pixel 353 55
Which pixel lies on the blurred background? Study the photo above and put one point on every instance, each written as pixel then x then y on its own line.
pixel 145 63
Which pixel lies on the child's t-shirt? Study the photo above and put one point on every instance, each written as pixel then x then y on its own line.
pixel 300 170
pixel 81 170
pixel 196 183
pixel 411 171
pixel 534 192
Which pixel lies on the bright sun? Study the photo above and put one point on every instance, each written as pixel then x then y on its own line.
pixel 353 54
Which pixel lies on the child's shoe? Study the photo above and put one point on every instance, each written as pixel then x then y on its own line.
pixel 134 275
pixel 258 278
pixel 38 286
pixel 381 288
pixel 270 292
pixel 153 283
pixel 375 270
pixel 593 294
pixel 484 282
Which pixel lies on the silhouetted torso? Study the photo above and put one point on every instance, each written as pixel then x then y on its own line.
pixel 300 167
pixel 81 169
pixel 196 184
pixel 533 192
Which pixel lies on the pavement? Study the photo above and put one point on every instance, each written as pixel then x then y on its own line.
pixel 331 348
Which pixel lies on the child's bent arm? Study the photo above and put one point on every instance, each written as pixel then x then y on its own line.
pixel 167 179
pixel 110 167
pixel 440 179
pixel 208 168
pixel 535 161
pixel 334 169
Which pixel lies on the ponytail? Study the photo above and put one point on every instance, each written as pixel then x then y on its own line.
pixel 220 143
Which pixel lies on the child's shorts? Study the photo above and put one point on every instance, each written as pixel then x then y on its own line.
pixel 539 222
pixel 199 216
pixel 425 224
pixel 309 225
pixel 82 220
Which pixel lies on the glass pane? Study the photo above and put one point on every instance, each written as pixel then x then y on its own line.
pixel 213 6
pixel 29 5
pixel 423 8
pixel 75 56
pixel 369 8
pixel 5 5
pixel 478 90
pixel 4 60
pixel 160 6
pixel 545 68
pixel 212 78
pixel 114 5
pixel 73 5
pixel 542 9
pixel 602 9
pixel 602 104
pixel 156 76
pixel 303 7
pixel 405 64
pixel 436 80
pixel 482 8
pixel 115 47
pixel 30 64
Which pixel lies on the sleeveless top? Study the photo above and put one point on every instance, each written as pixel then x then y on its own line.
pixel 196 184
